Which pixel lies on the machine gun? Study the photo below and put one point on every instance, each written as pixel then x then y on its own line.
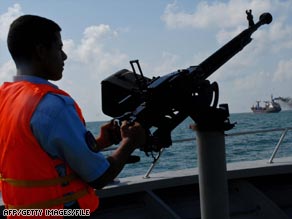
pixel 160 104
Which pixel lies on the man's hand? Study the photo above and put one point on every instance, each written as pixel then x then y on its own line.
pixel 134 133
pixel 133 136
pixel 109 134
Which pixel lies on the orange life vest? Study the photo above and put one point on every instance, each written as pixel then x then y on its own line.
pixel 28 174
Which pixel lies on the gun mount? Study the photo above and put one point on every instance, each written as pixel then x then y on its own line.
pixel 160 104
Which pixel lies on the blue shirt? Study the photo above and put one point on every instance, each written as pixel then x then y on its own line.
pixel 60 132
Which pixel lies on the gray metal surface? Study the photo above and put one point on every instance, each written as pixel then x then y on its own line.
pixel 256 190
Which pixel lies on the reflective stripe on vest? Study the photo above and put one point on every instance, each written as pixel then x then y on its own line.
pixel 39 183
pixel 53 202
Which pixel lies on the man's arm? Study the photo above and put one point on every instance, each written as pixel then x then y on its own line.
pixel 132 137
pixel 61 133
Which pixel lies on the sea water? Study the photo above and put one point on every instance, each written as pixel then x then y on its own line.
pixel 183 154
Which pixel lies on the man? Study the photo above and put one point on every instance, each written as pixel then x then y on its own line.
pixel 48 158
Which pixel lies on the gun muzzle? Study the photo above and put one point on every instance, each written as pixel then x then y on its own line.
pixel 266 18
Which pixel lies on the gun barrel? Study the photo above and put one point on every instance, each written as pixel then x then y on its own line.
pixel 222 55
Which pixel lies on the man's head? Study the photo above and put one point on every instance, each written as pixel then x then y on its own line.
pixel 35 43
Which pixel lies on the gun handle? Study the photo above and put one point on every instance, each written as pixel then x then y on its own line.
pixel 133 159
pixel 115 133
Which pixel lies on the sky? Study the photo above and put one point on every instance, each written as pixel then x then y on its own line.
pixel 100 37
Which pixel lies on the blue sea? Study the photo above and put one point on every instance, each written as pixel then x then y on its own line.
pixel 183 154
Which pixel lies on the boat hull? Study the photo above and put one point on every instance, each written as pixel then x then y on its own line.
pixel 274 110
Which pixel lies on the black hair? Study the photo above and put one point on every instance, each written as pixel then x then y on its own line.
pixel 28 31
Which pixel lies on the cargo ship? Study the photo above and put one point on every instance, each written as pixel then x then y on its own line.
pixel 269 107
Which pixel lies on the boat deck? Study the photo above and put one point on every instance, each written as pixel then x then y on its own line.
pixel 257 189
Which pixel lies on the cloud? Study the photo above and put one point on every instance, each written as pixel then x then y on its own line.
pixel 280 33
pixel 93 51
pixel 216 14
pixel 167 64
pixel 6 19
pixel 223 19
pixel 89 62
pixel 91 43
pixel 262 68
pixel 228 18
pixel 7 70
pixel 283 72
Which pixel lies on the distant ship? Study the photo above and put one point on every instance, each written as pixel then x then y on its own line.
pixel 269 107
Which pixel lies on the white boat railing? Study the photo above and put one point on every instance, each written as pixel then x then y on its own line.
pixel 277 146
pixel 284 132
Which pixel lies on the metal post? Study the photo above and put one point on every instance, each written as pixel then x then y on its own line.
pixel 212 175
pixel 278 145
pixel 153 164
